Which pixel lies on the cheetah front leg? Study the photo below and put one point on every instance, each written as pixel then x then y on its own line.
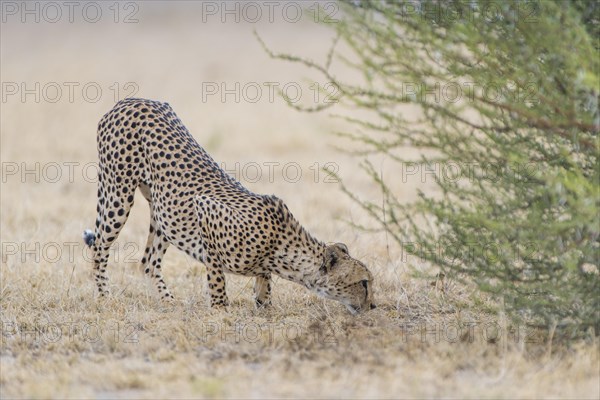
pixel 216 285
pixel 262 291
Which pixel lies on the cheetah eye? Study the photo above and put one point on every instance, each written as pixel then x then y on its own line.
pixel 365 284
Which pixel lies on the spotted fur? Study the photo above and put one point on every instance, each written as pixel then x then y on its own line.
pixel 204 212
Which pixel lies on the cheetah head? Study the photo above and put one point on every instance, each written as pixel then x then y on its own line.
pixel 344 279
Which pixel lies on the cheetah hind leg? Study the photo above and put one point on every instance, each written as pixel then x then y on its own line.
pixel 109 222
pixel 262 291
pixel 153 266
pixel 156 247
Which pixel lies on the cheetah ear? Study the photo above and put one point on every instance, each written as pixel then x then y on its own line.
pixel 329 260
pixel 332 256
pixel 342 247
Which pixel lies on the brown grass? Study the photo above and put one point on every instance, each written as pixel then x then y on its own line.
pixel 426 339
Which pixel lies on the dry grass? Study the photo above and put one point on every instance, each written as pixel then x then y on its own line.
pixel 58 341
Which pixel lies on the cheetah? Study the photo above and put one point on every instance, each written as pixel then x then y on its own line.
pixel 203 211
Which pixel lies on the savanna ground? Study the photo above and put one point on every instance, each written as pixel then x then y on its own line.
pixel 425 339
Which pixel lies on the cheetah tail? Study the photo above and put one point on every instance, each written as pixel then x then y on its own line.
pixel 88 237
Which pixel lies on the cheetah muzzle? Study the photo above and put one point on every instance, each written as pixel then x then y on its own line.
pixel 204 212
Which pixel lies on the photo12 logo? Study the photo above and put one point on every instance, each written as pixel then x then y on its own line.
pixel 456 92
pixel 69 11
pixel 53 172
pixel 263 332
pixel 474 172
pixel 289 172
pixel 522 253
pixel 49 172
pixel 269 11
pixel 492 11
pixel 69 92
pixel 465 332
pixel 45 332
pixel 254 92
pixel 58 253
